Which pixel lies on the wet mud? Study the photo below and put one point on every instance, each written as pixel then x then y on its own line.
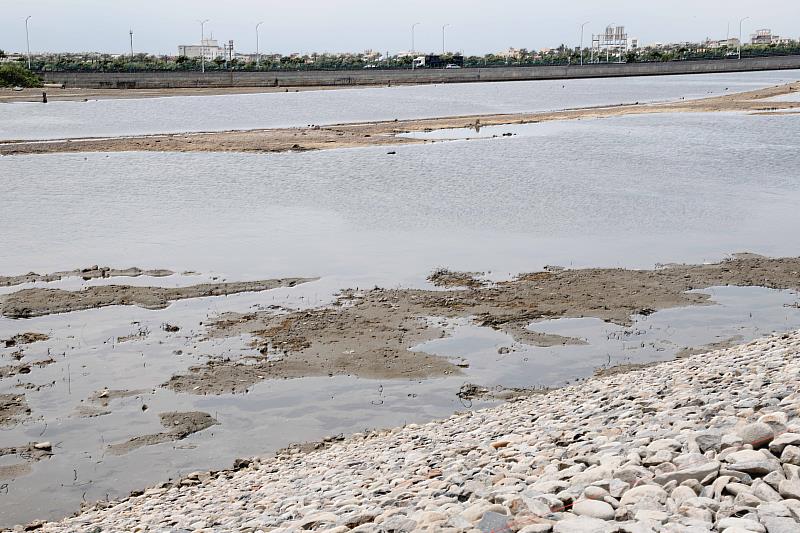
pixel 92 272
pixel 369 334
pixel 178 426
pixel 29 303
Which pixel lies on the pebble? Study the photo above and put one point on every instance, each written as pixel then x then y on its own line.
pixel 707 443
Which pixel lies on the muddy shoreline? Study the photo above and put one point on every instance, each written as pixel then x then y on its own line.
pixel 386 133
pixel 29 303
pixel 369 334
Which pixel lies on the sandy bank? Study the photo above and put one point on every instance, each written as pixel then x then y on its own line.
pixel 385 133
pixel 701 444
pixel 79 95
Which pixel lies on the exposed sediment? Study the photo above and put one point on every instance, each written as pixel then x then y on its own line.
pixel 177 426
pixel 29 303
pixel 92 272
pixel 385 133
pixel 706 443
pixel 368 334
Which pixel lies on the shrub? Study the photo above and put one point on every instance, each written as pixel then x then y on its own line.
pixel 13 75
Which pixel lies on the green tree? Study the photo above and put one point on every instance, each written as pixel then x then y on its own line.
pixel 16 75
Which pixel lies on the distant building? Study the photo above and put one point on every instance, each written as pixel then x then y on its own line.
pixel 765 36
pixel 209 48
pixel 732 42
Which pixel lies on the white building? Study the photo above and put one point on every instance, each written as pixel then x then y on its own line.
pixel 209 48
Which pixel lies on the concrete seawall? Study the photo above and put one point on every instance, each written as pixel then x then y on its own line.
pixel 165 80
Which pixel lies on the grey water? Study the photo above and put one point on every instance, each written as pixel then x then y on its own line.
pixel 249 111
pixel 626 191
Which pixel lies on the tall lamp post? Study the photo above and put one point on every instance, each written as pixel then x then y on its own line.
pixel 203 45
pixel 413 28
pixel 258 55
pixel 740 36
pixel 582 26
pixel 131 32
pixel 444 48
pixel 28 40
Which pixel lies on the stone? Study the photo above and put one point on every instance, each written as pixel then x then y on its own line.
pixel 582 524
pixel 594 509
pixel 741 523
pixel 43 446
pixel 492 522
pixel 698 472
pixel 708 441
pixel 776 524
pixel 782 441
pixel 791 455
pixel 789 489
pixel 641 493
pixel 757 434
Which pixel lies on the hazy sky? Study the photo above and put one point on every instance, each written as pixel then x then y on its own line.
pixel 477 26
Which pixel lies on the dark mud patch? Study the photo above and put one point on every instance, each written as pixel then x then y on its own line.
pixel 470 391
pixel 24 338
pixel 8 371
pixel 368 334
pixel 443 277
pixel 98 404
pixel 88 273
pixel 27 455
pixel 13 409
pixel 29 303
pixel 178 426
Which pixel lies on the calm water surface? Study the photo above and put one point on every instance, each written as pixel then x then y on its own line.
pixel 626 191
pixel 214 113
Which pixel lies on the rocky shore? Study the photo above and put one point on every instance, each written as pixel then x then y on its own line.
pixel 706 443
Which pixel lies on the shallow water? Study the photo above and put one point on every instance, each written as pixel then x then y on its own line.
pixel 626 191
pixel 248 111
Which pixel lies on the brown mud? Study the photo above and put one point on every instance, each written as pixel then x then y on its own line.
pixel 88 273
pixel 369 334
pixel 29 454
pixel 443 277
pixel 24 338
pixel 29 303
pixel 178 426
pixel 385 132
pixel 99 403
pixel 13 409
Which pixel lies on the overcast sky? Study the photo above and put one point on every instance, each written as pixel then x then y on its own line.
pixel 477 26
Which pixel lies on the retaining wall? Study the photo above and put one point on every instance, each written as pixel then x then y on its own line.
pixel 164 80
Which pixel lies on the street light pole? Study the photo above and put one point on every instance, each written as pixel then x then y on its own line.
pixel 203 45
pixel 740 36
pixel 413 27
pixel 28 40
pixel 444 48
pixel 258 55
pixel 131 32
pixel 582 26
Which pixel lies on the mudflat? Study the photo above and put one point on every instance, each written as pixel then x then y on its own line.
pixel 29 303
pixel 386 133
pixel 368 334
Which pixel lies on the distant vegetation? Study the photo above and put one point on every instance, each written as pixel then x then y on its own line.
pixel 563 55
pixel 15 75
